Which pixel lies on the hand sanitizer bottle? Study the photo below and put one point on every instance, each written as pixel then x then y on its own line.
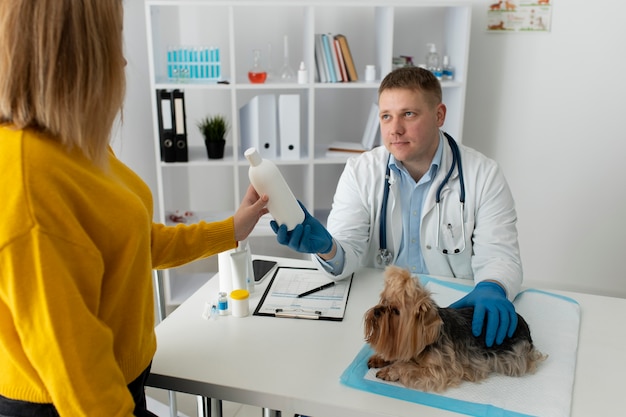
pixel 447 71
pixel 267 179
pixel 433 63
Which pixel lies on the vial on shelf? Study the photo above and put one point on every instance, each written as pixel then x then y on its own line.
pixel 257 74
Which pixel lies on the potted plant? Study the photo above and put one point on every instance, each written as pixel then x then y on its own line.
pixel 214 129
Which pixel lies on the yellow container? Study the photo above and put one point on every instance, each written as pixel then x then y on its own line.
pixel 240 303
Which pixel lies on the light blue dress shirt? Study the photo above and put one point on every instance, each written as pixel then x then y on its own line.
pixel 412 195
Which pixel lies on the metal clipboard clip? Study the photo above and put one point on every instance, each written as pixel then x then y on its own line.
pixel 298 314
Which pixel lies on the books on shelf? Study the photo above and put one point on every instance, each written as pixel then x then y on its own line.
pixel 347 57
pixel 371 135
pixel 333 59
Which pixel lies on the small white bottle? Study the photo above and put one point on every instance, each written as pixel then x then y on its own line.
pixel 267 179
pixel 447 71
pixel 303 74
pixel 433 63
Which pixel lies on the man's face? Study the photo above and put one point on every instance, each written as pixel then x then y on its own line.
pixel 409 125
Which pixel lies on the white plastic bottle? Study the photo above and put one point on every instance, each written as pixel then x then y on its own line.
pixel 433 62
pixel 267 179
pixel 303 75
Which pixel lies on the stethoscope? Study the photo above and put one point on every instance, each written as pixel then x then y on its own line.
pixel 384 256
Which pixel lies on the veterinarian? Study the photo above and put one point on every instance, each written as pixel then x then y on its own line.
pixel 444 209
pixel 77 241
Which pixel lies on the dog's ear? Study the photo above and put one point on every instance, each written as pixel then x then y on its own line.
pixel 431 323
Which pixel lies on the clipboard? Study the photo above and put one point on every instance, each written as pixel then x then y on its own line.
pixel 280 298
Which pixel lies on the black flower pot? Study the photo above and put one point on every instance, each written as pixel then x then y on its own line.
pixel 215 148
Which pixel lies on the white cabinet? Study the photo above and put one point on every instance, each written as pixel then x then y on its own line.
pixel 376 32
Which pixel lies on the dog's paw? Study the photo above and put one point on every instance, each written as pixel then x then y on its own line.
pixel 388 373
pixel 376 361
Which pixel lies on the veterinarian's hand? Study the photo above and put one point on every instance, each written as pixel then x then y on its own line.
pixel 308 237
pixel 490 302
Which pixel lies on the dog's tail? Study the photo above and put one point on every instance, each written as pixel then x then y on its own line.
pixel 523 359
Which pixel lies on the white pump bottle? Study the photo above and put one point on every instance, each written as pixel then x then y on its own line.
pixel 267 179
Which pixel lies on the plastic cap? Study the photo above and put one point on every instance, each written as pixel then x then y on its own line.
pixel 432 47
pixel 239 294
pixel 446 60
pixel 302 67
pixel 252 155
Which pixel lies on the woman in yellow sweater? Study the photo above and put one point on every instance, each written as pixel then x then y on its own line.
pixel 77 241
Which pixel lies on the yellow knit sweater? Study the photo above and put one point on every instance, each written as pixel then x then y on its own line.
pixel 77 249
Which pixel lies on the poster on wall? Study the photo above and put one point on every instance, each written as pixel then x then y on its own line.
pixel 519 16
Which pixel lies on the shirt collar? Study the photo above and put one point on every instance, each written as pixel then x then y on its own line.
pixel 399 168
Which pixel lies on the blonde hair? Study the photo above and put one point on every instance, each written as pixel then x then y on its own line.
pixel 62 69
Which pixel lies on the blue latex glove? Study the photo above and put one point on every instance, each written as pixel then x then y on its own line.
pixel 310 236
pixel 489 300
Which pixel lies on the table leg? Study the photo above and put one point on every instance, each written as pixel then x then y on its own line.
pixel 173 404
pixel 209 407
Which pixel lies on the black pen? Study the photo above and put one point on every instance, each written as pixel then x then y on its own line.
pixel 314 290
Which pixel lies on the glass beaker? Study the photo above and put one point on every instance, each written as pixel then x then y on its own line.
pixel 286 73
pixel 257 74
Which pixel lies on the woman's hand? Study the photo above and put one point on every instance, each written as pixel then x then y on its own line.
pixel 250 210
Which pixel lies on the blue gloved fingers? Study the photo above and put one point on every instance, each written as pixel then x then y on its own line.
pixel 308 237
pixel 282 235
pixel 296 237
pixel 512 321
pixel 478 320
pixel 503 325
pixel 501 321
pixel 274 226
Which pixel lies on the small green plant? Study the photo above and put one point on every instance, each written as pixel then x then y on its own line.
pixel 213 128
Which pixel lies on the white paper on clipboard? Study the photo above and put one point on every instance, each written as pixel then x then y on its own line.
pixel 281 295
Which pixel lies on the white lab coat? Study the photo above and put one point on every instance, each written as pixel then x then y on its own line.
pixel 491 247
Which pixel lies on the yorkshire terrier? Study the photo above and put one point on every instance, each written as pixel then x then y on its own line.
pixel 426 347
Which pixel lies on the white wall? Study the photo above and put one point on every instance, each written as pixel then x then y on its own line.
pixel 546 106
pixel 549 107
pixel 133 143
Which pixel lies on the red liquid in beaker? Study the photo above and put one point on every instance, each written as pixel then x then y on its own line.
pixel 257 77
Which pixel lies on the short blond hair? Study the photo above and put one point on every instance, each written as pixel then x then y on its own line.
pixel 415 79
pixel 62 69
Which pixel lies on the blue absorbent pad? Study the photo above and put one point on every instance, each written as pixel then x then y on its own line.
pixel 554 322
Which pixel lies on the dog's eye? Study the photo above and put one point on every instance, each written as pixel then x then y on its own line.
pixel 395 311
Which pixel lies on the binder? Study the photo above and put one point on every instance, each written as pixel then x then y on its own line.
pixel 289 125
pixel 166 125
pixel 180 123
pixel 347 57
pixel 258 121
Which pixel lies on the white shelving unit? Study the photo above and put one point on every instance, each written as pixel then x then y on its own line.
pixel 376 31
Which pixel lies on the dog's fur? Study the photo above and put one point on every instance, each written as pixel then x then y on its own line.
pixel 430 348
